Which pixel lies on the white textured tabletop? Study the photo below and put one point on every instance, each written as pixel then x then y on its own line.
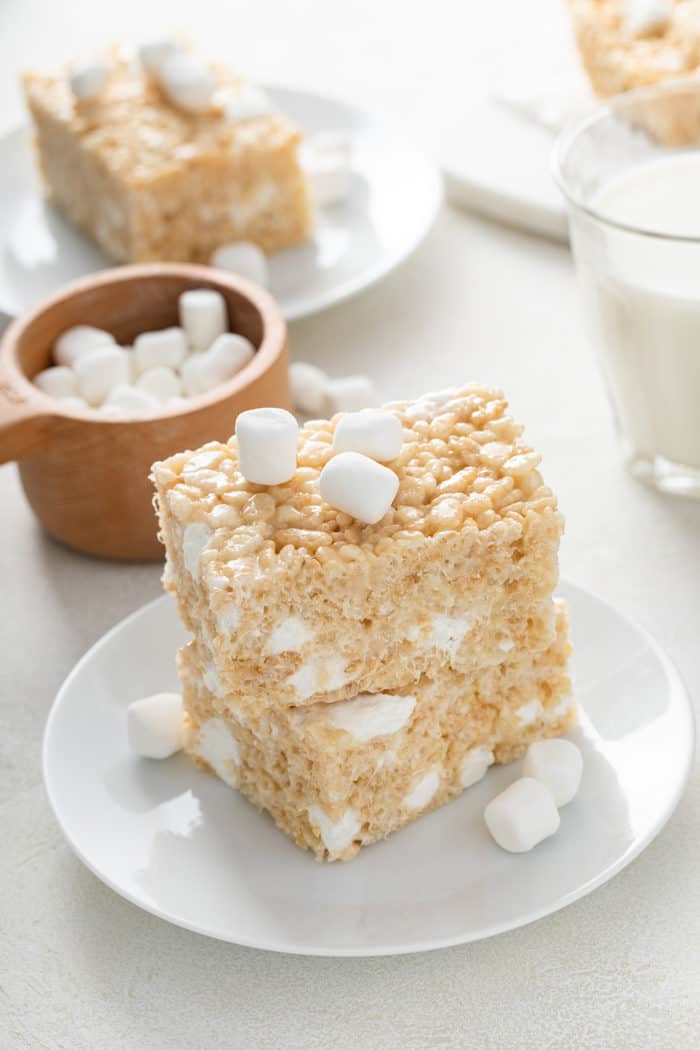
pixel 81 969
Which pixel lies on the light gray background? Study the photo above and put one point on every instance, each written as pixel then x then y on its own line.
pixel 81 969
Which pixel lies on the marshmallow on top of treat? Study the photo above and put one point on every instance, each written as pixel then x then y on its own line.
pixel 267 445
pixel 247 103
pixel 243 258
pixel 155 725
pixel 358 486
pixel 87 78
pixel 522 816
pixel 372 432
pixel 647 17
pixel 153 53
pixel 558 764
pixel 187 81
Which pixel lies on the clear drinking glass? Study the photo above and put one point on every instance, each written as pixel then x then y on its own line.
pixel 631 175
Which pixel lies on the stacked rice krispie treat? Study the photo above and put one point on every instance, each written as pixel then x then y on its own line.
pixel 167 157
pixel 348 677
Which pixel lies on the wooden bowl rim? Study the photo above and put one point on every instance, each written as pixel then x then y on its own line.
pixel 273 343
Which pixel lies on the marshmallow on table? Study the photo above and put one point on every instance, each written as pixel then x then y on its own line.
pixel 350 394
pixel 77 341
pixel 155 725
pixel 248 103
pixel 87 78
pixel 358 486
pixel 130 401
pixel 153 53
pixel 558 764
pixel 243 258
pixel 309 386
pixel 100 370
pixel 203 315
pixel 57 381
pixel 187 82
pixel 165 347
pixel 522 815
pixel 376 434
pixel 267 445
pixel 160 383
pixel 325 158
pixel 228 354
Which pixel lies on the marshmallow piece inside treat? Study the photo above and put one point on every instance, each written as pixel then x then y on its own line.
pixel 358 486
pixel 187 82
pixel 165 347
pixel 130 400
pixel 87 78
pixel 228 354
pixel 522 816
pixel 57 381
pixel 77 341
pixel 160 383
pixel 558 764
pixel 101 370
pixel 267 445
pixel 376 434
pixel 350 394
pixel 247 103
pixel 243 258
pixel 203 315
pixel 309 386
pixel 371 715
pixel 326 160
pixel 474 765
pixel 647 17
pixel 153 53
pixel 155 725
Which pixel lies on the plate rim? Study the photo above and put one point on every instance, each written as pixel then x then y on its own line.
pixel 387 950
pixel 352 286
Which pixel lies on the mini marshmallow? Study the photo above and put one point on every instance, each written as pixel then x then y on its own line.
pixel 203 315
pixel 358 486
pixel 647 17
pixel 350 394
pixel 101 370
pixel 75 404
pixel 558 764
pixel 77 341
pixel 522 815
pixel 130 401
pixel 187 82
pixel 243 258
pixel 155 725
pixel 160 383
pixel 248 103
pixel 267 445
pixel 58 381
pixel 153 53
pixel 165 347
pixel 325 158
pixel 228 355
pixel 376 434
pixel 87 78
pixel 309 386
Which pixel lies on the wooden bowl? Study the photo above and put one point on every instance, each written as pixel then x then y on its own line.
pixel 86 476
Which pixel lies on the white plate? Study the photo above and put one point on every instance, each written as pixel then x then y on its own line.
pixel 395 195
pixel 180 844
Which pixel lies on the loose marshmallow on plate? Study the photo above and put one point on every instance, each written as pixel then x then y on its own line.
pixel 227 355
pixel 309 386
pixel 155 725
pixel 248 102
pixel 130 401
pixel 160 383
pixel 267 445
pixel 358 486
pixel 350 394
pixel 167 346
pixel 77 341
pixel 100 370
pixel 522 815
pixel 153 53
pixel 558 764
pixel 243 258
pixel 376 434
pixel 647 17
pixel 58 381
pixel 87 78
pixel 187 82
pixel 325 158
pixel 203 315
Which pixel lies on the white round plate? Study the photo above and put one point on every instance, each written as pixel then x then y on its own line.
pixel 180 844
pixel 395 194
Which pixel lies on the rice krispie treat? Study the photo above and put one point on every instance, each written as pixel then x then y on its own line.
pixel 168 162
pixel 338 776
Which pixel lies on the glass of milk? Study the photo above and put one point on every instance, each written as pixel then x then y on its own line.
pixel 631 175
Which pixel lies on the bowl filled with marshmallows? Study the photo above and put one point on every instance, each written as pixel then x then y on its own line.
pixel 119 370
